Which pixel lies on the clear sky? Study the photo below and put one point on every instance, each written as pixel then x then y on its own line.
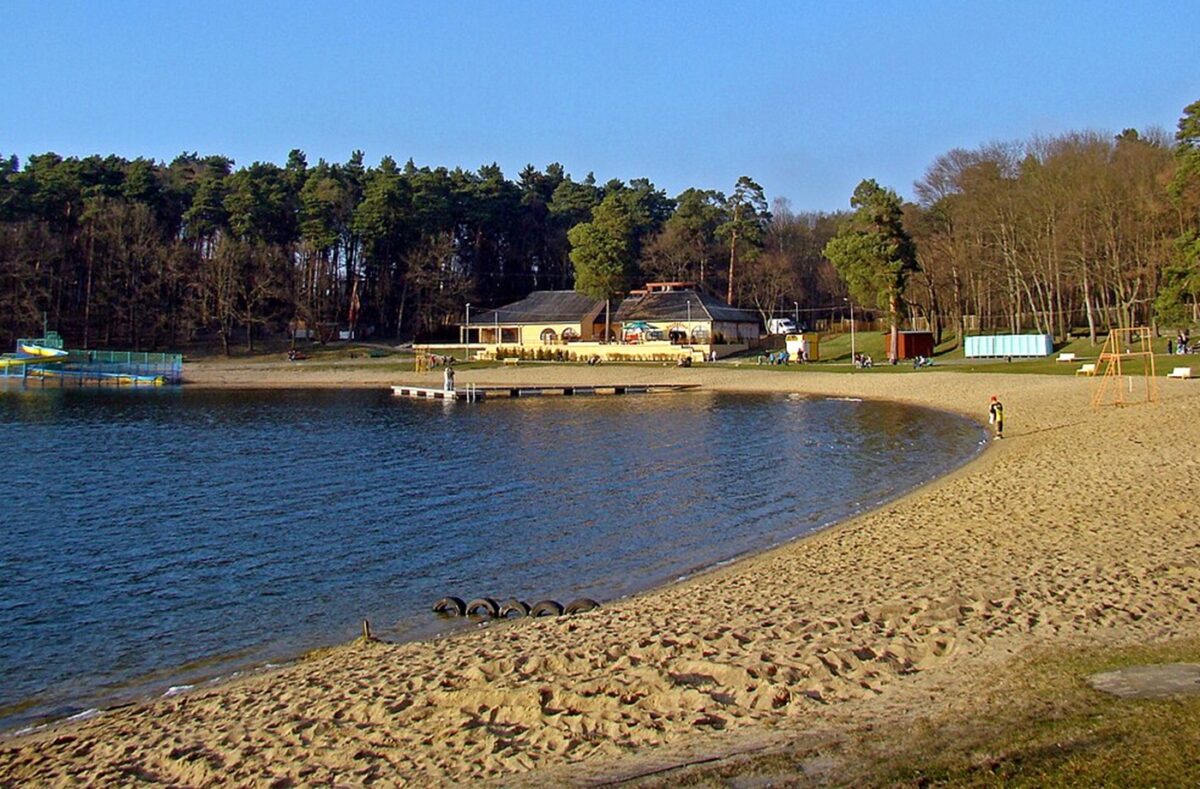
pixel 807 98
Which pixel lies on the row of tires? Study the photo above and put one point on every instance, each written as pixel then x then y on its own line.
pixel 511 608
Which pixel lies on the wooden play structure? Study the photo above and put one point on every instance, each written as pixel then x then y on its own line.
pixel 1127 353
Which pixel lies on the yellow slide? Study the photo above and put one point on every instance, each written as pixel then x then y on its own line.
pixel 42 352
pixel 33 357
pixel 33 354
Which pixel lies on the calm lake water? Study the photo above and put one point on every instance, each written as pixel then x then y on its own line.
pixel 154 539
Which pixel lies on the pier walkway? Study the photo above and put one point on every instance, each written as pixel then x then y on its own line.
pixel 471 393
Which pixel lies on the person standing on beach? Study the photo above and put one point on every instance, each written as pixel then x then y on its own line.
pixel 448 379
pixel 996 416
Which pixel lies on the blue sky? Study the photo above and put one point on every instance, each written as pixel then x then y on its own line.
pixel 807 98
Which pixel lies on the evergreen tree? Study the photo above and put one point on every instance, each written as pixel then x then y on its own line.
pixel 873 253
pixel 602 252
pixel 1178 299
pixel 746 221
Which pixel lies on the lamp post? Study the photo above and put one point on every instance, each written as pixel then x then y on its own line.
pixel 852 353
pixel 796 305
pixel 689 322
pixel 467 350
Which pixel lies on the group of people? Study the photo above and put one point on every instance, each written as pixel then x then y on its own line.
pixel 922 361
pixel 776 357
pixel 863 361
pixel 1181 344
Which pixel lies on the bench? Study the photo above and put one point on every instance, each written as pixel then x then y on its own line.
pixel 1065 357
pixel 511 360
pixel 1180 372
pixel 1087 369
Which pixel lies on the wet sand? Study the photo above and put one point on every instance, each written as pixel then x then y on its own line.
pixel 1081 527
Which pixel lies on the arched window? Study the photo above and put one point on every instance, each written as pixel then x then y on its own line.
pixel 569 335
pixel 700 335
pixel 549 337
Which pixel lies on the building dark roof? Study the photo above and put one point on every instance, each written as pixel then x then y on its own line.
pixel 673 305
pixel 542 306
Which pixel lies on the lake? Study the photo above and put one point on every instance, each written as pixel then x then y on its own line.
pixel 153 539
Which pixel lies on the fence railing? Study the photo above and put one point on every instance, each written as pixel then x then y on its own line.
pixel 101 363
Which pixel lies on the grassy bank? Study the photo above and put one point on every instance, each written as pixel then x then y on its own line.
pixel 1038 724
pixel 835 353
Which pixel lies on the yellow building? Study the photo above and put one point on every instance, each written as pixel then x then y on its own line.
pixel 666 320
pixel 544 317
pixel 677 312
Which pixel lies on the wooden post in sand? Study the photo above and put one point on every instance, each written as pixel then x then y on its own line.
pixel 366 630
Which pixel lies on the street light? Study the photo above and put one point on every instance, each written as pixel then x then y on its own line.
pixel 853 355
pixel 467 352
pixel 796 304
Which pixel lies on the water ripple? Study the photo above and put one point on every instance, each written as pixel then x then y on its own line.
pixel 170 536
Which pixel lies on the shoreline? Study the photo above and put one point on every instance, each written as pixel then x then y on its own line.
pixel 771 644
pixel 235 668
pixel 454 631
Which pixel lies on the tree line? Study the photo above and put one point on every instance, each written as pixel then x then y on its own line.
pixel 143 254
pixel 1076 231
pixel 1047 235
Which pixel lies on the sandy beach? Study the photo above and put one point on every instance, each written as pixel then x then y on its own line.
pixel 1081 527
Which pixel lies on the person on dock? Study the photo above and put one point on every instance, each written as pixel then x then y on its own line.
pixel 996 416
pixel 448 379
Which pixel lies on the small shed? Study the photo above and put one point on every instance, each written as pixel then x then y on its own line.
pixel 804 347
pixel 912 344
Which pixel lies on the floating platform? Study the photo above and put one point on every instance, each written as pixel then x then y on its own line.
pixel 44 358
pixel 473 393
pixel 87 377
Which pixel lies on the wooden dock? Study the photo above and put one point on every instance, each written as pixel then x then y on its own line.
pixel 474 393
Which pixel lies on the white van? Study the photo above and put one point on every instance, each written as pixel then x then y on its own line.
pixel 781 326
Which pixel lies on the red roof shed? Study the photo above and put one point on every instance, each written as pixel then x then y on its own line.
pixel 912 344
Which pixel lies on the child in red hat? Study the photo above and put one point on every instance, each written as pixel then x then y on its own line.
pixel 996 416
